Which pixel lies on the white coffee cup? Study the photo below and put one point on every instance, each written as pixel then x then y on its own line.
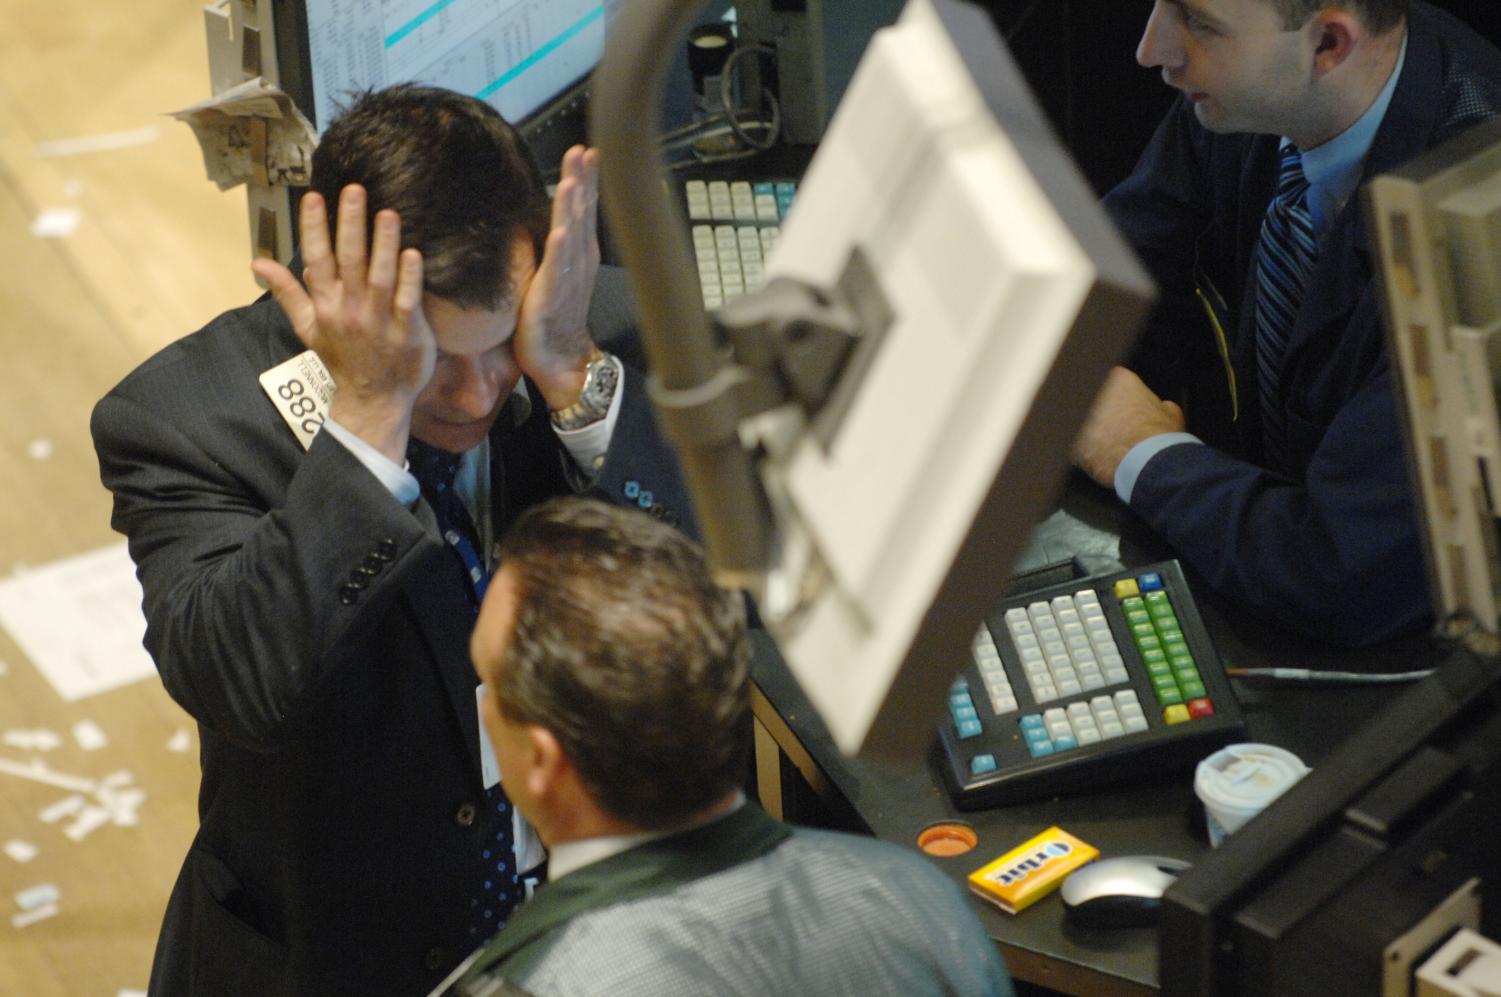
pixel 1237 782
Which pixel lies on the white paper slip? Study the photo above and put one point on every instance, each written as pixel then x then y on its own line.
pixel 37 896
pixel 89 735
pixel 79 621
pixel 30 917
pixel 20 851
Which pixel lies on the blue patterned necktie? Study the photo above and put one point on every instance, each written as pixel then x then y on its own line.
pixel 501 890
pixel 1283 266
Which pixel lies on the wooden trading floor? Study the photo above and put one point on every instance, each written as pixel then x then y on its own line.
pixel 158 250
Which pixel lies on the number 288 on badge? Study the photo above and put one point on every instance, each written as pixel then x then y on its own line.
pixel 301 389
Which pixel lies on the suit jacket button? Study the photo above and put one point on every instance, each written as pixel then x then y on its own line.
pixel 372 563
pixel 435 958
pixel 465 815
pixel 386 550
pixel 349 595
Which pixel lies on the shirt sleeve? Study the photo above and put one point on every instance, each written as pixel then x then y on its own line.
pixel 1136 458
pixel 397 480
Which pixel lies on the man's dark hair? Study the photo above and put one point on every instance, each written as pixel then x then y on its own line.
pixel 627 650
pixel 1379 16
pixel 457 173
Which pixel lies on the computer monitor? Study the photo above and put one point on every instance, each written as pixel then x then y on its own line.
pixel 1349 880
pixel 528 58
pixel 520 56
pixel 991 295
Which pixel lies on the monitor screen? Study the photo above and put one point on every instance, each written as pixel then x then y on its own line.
pixel 517 55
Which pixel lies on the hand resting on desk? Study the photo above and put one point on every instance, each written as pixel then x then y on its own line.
pixel 1124 413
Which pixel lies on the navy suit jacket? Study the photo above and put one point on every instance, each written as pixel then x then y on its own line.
pixel 1332 547
pixel 340 833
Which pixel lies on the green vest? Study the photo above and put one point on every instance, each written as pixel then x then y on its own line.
pixel 654 868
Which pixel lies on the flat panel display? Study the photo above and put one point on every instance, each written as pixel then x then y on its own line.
pixel 517 55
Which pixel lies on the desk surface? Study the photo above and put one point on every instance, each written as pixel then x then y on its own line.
pixel 1160 816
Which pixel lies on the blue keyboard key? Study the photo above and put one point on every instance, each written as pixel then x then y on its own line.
pixel 969 728
pixel 1035 736
pixel 962 713
pixel 1065 742
pixel 980 764
pixel 1032 721
pixel 1150 582
pixel 1040 748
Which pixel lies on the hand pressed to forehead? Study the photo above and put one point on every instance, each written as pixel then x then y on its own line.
pixel 361 312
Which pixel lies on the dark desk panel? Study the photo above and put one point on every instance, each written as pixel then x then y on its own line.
pixel 1159 815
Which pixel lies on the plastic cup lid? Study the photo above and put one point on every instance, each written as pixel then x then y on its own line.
pixel 1247 776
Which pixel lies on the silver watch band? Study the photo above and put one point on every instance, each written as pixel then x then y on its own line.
pixel 601 381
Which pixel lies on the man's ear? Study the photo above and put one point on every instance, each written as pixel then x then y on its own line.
pixel 549 764
pixel 1335 33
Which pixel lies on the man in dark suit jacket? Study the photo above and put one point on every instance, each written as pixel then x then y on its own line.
pixel 1305 517
pixel 300 602
pixel 618 701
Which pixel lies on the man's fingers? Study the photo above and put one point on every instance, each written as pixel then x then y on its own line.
pixel 408 296
pixel 383 253
pixel 294 301
pixel 591 193
pixel 317 254
pixel 349 239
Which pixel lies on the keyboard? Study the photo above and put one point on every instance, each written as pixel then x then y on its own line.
pixel 735 224
pixel 1083 684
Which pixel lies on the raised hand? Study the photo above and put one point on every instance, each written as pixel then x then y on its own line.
pixel 552 340
pixel 362 314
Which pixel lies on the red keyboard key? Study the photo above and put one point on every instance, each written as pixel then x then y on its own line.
pixel 1200 707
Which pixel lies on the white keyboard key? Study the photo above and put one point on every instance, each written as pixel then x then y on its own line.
pixel 703 236
pixel 1089 735
pixel 1135 724
pixel 766 208
pixel 1111 728
pixel 1069 687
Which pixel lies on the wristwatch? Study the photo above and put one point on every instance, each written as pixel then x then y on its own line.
pixel 601 378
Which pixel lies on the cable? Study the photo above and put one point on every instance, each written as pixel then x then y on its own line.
pixel 727 98
pixel 1312 676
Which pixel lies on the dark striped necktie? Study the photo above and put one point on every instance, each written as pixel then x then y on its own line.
pixel 1283 266
pixel 500 889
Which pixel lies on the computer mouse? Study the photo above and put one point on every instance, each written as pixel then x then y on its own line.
pixel 1119 892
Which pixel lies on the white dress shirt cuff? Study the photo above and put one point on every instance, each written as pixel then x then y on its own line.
pixel 589 444
pixel 1136 458
pixel 398 480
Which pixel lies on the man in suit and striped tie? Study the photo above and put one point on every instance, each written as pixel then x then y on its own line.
pixel 618 704
pixel 1290 494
